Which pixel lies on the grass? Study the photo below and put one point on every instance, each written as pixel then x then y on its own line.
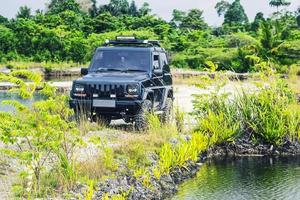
pixel 294 78
pixel 48 66
pixel 270 115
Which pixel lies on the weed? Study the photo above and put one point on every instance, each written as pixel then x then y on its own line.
pixel 90 192
pixel 179 119
pixel 41 134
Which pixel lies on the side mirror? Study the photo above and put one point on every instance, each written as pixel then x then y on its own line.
pixel 84 71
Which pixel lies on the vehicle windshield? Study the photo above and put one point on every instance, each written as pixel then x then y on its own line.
pixel 121 60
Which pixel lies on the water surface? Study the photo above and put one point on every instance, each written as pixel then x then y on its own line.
pixel 245 178
pixel 5 95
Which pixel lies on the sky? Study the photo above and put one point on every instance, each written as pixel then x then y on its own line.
pixel 163 8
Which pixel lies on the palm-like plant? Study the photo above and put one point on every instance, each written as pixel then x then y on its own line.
pixel 279 3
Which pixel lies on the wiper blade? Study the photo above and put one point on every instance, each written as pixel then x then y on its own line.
pixel 134 70
pixel 107 69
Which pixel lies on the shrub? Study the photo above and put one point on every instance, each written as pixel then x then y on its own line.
pixel 41 135
pixel 270 115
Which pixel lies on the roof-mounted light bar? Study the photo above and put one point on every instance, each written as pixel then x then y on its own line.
pixel 125 38
pixel 131 40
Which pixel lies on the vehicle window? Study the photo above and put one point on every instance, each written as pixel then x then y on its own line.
pixel 121 60
pixel 164 62
pixel 156 63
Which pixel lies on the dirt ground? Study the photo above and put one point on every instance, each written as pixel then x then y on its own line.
pixel 184 96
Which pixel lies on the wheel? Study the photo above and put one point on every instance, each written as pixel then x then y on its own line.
pixel 141 121
pixel 167 111
pixel 103 120
pixel 79 116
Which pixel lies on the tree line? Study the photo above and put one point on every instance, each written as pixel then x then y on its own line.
pixel 70 30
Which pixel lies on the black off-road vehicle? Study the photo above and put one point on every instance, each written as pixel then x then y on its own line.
pixel 127 78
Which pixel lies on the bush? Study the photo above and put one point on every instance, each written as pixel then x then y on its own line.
pixel 271 115
pixel 42 137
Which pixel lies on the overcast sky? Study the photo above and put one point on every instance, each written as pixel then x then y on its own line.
pixel 162 8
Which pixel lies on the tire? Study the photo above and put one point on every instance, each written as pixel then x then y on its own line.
pixel 166 116
pixel 79 117
pixel 103 120
pixel 141 121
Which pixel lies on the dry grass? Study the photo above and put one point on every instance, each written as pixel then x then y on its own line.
pixel 294 78
pixel 120 149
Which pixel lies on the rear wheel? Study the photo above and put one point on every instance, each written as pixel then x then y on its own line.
pixel 166 116
pixel 141 121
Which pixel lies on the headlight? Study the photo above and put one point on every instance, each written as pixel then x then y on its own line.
pixel 79 88
pixel 133 89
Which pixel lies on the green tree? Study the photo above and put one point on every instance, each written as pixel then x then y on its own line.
pixel 118 7
pixel 24 12
pixel 3 20
pixel 222 7
pixel 7 40
pixel 71 19
pixel 268 37
pixel 298 17
pixel 259 18
pixel 105 22
pixel 178 17
pixel 235 14
pixel 58 6
pixel 279 3
pixel 133 10
pixel 145 9
pixel 194 20
pixel 93 11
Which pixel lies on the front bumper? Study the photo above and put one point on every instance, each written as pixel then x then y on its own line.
pixel 123 107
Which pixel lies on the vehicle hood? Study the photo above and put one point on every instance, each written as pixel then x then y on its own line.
pixel 113 77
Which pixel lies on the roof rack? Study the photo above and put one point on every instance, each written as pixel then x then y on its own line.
pixel 131 40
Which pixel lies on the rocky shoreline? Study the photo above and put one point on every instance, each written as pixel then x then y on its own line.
pixel 163 188
pixel 167 185
pixel 244 147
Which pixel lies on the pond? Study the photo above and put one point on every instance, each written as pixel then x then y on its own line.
pixel 245 178
pixel 5 95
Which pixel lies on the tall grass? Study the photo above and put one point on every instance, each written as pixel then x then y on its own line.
pixel 177 155
pixel 270 115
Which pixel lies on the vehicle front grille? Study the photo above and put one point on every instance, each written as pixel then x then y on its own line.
pixel 106 90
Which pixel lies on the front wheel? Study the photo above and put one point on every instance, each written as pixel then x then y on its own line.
pixel 102 120
pixel 166 116
pixel 141 120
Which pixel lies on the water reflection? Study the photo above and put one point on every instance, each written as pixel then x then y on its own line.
pixel 245 178
pixel 5 95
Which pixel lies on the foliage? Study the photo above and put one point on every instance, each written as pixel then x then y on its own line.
pixel 222 7
pixel 42 137
pixel 177 156
pixel 58 6
pixel 279 3
pixel 270 115
pixel 24 12
pixel 70 30
pixel 192 20
pixel 235 14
